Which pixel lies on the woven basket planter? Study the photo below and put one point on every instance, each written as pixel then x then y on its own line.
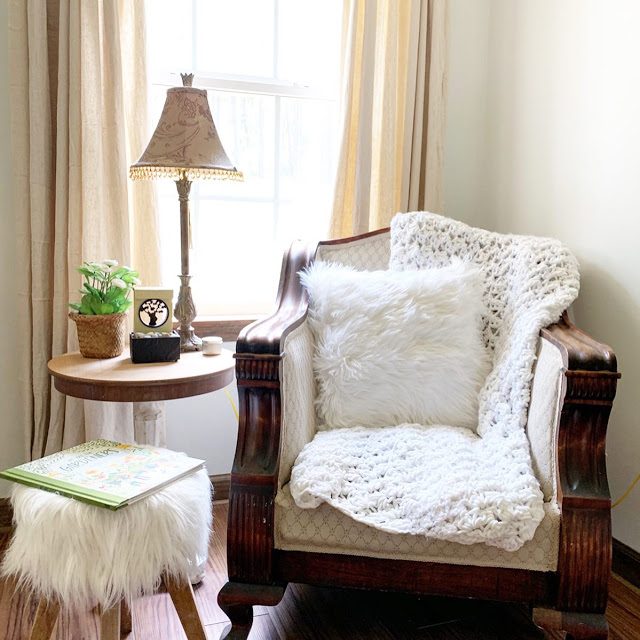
pixel 101 336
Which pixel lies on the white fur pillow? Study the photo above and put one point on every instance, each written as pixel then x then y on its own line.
pixel 397 346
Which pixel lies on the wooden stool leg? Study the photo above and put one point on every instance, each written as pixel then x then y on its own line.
pixel 110 623
pixel 46 617
pixel 182 596
pixel 126 623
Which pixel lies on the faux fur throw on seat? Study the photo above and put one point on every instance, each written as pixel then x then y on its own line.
pixel 441 481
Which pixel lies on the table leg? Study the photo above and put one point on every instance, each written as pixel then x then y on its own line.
pixel 148 423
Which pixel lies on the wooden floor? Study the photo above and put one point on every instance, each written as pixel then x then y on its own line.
pixel 309 613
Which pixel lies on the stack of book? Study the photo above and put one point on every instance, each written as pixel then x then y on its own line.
pixel 105 473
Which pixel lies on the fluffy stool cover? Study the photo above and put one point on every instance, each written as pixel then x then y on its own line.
pixel 83 555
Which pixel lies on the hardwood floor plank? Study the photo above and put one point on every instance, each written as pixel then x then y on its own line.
pixel 625 595
pixel 263 629
pixel 14 617
pixel 206 593
pixel 623 610
pixel 17 611
pixel 303 614
pixel 155 618
pixel 77 625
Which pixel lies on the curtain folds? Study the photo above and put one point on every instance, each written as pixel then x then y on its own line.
pixel 395 64
pixel 78 118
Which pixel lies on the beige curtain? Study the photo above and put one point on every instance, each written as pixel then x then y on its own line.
pixel 393 112
pixel 78 117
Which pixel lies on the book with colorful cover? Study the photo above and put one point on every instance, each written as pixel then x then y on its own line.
pixel 105 473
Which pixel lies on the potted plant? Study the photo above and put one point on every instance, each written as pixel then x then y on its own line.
pixel 100 316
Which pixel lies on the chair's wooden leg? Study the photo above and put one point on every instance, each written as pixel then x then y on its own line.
pixel 577 625
pixel 46 617
pixel 110 623
pixel 126 623
pixel 236 599
pixel 182 596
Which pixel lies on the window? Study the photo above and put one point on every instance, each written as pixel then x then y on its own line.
pixel 271 69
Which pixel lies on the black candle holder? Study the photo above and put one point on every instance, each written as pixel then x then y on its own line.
pixel 154 349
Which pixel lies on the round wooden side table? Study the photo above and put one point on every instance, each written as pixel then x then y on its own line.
pixel 146 385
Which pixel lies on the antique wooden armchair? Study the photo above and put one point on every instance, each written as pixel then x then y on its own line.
pixel 562 573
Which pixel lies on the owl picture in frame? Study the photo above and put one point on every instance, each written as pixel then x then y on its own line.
pixel 152 310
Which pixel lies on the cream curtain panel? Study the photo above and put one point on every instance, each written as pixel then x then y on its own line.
pixel 393 112
pixel 78 118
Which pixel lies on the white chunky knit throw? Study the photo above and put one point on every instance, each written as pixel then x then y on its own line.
pixel 441 481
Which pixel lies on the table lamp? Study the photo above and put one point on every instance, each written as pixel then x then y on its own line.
pixel 185 146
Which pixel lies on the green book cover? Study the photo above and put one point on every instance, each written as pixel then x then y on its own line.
pixel 105 473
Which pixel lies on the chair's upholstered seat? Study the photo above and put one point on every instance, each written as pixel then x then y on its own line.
pixel 327 530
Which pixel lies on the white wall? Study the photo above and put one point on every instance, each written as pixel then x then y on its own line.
pixel 466 108
pixel 11 439
pixel 555 152
pixel 205 426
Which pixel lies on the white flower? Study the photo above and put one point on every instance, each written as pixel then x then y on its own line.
pixel 110 263
pixel 136 281
pixel 95 265
pixel 118 282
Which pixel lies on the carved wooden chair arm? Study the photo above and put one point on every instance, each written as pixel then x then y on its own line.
pixel 580 351
pixel 587 393
pixel 267 336
pixel 259 353
pixel 254 476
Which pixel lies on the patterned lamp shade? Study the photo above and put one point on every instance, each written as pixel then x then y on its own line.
pixel 185 143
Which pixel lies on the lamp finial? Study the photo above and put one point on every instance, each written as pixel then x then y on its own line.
pixel 187 79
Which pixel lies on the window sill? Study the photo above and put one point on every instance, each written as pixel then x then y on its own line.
pixel 227 327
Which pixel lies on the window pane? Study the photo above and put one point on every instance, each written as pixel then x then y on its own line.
pixel 246 126
pixel 309 34
pixel 235 37
pixel 233 259
pixel 303 221
pixel 169 39
pixel 307 150
pixel 169 222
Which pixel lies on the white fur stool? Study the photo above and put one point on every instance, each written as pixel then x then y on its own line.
pixel 73 554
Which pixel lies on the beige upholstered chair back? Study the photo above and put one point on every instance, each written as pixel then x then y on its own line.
pixel 366 254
